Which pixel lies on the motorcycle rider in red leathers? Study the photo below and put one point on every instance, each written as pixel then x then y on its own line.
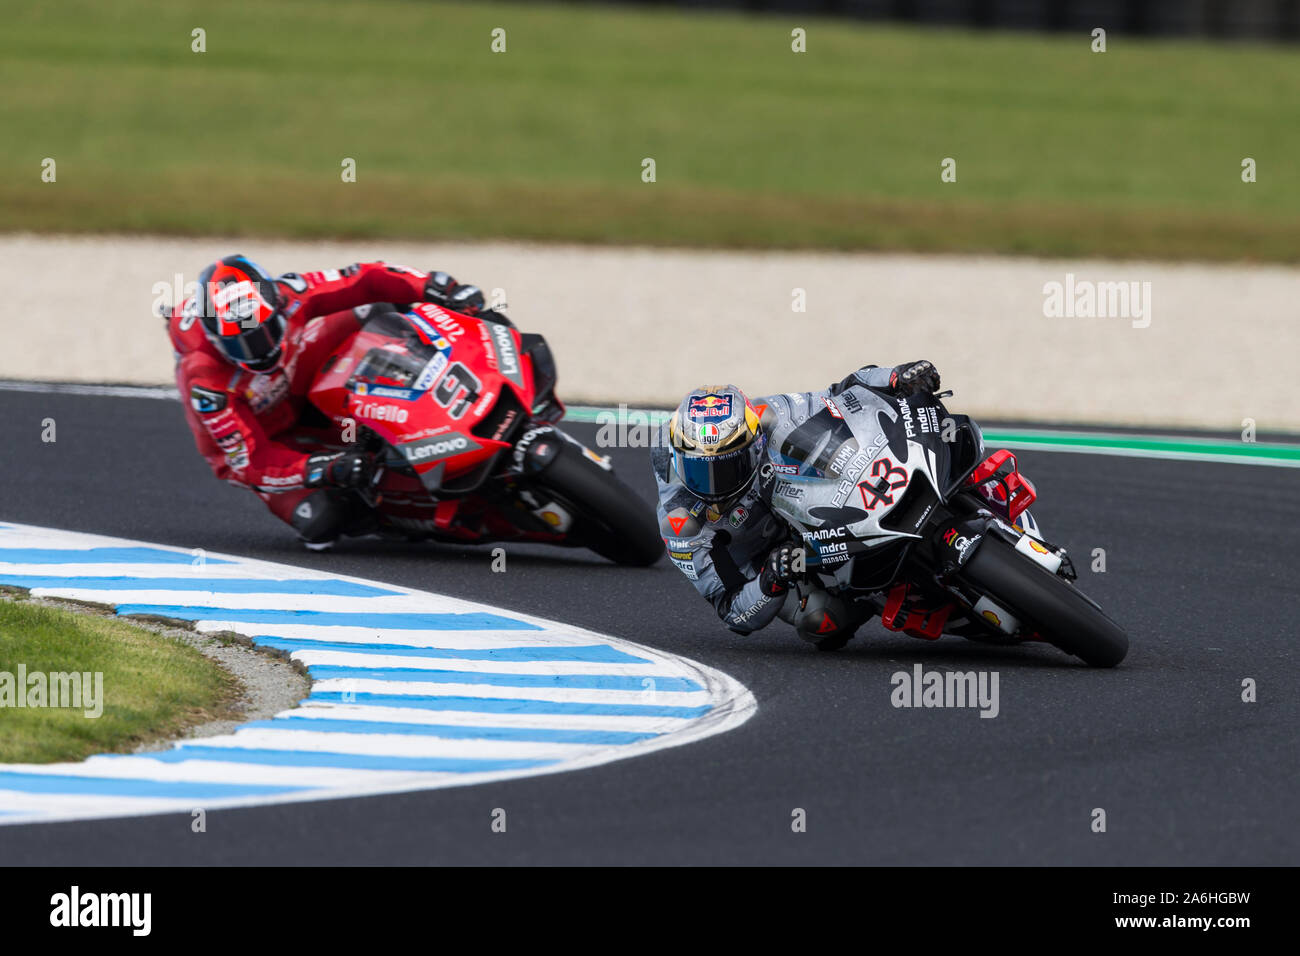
pixel 248 347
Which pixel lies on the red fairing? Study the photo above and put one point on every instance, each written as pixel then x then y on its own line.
pixel 450 405
pixel 436 423
pixel 998 478
pixel 925 623
pixel 245 424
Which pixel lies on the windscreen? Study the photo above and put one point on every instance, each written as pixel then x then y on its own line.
pixel 823 442
pixel 389 367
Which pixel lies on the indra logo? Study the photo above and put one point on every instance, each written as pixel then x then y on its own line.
pixel 439 447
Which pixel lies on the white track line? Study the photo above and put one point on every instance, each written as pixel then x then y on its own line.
pixel 461 693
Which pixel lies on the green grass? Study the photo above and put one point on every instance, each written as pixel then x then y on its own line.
pixel 1060 151
pixel 154 686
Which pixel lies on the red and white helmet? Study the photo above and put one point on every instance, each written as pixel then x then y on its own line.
pixel 241 309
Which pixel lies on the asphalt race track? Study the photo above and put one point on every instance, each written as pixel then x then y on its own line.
pixel 1199 570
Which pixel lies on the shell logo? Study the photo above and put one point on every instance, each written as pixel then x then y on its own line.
pixel 1037 547
pixel 991 617
pixel 552 518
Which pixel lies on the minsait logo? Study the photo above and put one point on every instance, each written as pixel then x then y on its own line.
pixel 75 909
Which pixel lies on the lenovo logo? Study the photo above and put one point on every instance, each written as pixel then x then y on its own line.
pixel 442 446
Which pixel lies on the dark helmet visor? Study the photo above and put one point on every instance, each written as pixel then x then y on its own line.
pixel 255 346
pixel 718 477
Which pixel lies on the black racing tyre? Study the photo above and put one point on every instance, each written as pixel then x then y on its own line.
pixel 1053 606
pixel 608 516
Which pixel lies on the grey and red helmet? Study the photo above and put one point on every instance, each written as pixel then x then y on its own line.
pixel 717 442
pixel 241 309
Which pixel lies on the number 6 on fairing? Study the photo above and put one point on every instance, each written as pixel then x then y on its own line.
pixel 457 377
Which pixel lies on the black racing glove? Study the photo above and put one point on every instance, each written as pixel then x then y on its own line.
pixel 778 570
pixel 467 299
pixel 346 470
pixel 913 377
pixel 444 290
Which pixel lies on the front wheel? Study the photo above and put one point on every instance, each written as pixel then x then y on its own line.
pixel 608 516
pixel 1045 602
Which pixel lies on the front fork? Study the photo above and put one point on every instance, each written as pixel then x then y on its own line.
pixel 952 538
pixel 538 446
pixel 533 453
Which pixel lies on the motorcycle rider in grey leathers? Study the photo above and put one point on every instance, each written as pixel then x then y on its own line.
pixel 717 525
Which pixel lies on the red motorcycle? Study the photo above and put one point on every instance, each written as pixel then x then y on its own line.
pixel 461 412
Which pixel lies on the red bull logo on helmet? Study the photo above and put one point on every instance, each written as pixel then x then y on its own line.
pixel 709 406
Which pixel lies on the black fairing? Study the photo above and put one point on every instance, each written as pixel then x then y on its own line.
pixel 924 416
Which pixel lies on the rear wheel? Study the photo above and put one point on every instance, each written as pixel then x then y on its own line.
pixel 1047 603
pixel 608 516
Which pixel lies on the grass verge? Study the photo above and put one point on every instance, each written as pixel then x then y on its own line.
pixel 1135 152
pixel 154 687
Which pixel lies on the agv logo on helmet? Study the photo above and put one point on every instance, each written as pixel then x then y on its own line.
pixel 708 434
